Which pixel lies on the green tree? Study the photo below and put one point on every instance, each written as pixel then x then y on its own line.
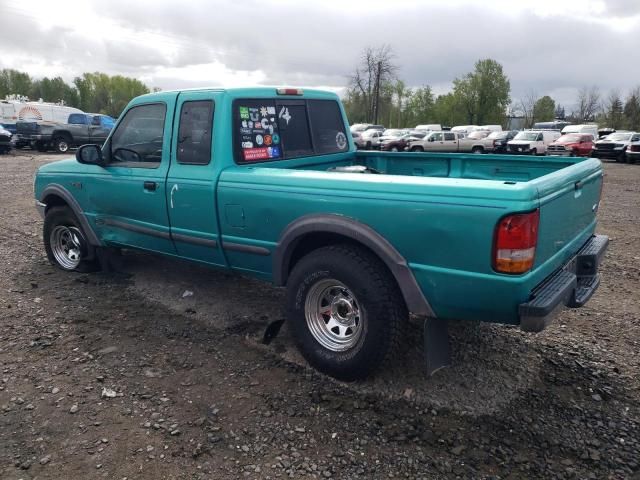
pixel 614 111
pixel 420 107
pixel 13 82
pixel 544 109
pixel 447 111
pixel 100 93
pixel 484 94
pixel 632 110
pixel 53 90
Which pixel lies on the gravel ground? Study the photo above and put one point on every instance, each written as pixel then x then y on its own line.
pixel 159 372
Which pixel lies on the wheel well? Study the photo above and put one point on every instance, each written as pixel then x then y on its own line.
pixel 313 241
pixel 62 134
pixel 54 201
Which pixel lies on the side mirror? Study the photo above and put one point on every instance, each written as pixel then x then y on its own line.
pixel 431 139
pixel 90 155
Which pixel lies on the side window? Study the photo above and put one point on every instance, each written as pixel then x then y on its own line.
pixel 328 127
pixel 437 137
pixel 540 137
pixel 95 121
pixel 635 138
pixel 77 119
pixel 449 136
pixel 138 138
pixel 194 133
pixel 294 129
pixel 256 133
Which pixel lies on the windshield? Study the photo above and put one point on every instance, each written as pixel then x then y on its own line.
pixel 498 135
pixel 478 134
pixel 618 137
pixel 569 138
pixel 528 136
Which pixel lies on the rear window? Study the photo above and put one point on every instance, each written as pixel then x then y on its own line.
pixel 272 129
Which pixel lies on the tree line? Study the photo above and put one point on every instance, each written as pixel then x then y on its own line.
pixel 91 92
pixel 375 94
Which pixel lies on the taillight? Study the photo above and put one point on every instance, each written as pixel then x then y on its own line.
pixel 515 242
pixel 289 91
pixel 634 148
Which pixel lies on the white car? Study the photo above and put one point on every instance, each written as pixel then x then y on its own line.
pixel 430 127
pixel 532 142
pixel 633 152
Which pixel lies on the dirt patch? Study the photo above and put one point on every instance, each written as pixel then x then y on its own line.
pixel 159 372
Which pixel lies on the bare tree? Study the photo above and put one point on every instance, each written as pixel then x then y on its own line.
pixel 525 107
pixel 588 104
pixel 376 67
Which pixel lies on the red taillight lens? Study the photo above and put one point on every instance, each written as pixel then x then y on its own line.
pixel 289 91
pixel 634 148
pixel 515 242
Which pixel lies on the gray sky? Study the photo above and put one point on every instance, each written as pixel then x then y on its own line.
pixel 550 46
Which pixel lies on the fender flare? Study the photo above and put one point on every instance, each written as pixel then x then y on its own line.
pixel 361 233
pixel 63 193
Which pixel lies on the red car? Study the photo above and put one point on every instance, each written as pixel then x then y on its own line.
pixel 571 145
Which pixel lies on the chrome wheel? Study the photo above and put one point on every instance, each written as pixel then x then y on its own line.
pixel 62 146
pixel 333 315
pixel 66 246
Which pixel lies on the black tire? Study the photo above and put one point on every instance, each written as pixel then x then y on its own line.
pixel 41 146
pixel 61 218
pixel 477 150
pixel 381 310
pixel 417 149
pixel 534 152
pixel 62 144
pixel 394 149
pixel 368 146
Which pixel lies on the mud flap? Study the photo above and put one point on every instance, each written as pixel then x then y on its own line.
pixel 437 351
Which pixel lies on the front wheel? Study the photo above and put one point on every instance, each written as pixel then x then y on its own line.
pixel 417 149
pixel 477 150
pixel 345 311
pixel 66 243
pixel 534 152
pixel 394 149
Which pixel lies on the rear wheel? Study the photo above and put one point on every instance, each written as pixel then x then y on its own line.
pixel 477 150
pixel 534 152
pixel 61 144
pixel 66 243
pixel 417 149
pixel 345 311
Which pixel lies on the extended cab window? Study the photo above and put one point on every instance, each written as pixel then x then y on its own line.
pixel 78 119
pixel 138 138
pixel 194 134
pixel 273 129
pixel 449 136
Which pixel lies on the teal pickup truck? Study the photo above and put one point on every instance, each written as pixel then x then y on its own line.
pixel 267 182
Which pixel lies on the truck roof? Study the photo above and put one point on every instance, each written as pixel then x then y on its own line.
pixel 261 91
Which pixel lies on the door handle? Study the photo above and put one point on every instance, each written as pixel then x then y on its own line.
pixel 150 186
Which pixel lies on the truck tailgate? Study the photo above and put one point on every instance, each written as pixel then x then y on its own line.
pixel 569 200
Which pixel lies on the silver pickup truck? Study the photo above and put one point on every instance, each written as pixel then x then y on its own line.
pixel 476 142
pixel 80 129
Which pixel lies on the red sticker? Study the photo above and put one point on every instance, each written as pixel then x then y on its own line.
pixel 251 154
pixel 267 140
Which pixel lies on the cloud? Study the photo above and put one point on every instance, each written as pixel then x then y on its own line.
pixel 541 44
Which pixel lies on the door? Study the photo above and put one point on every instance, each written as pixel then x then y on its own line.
pixel 128 198
pixel 191 184
pixel 79 127
pixel 99 129
pixel 437 145
pixel 450 142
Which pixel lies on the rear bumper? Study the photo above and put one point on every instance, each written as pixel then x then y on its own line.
pixel 572 286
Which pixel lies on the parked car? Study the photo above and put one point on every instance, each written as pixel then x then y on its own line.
pixel 554 125
pixel 532 142
pixel 5 140
pixel 12 111
pixel 361 127
pixel 394 139
pixel 633 152
pixel 79 129
pixel 614 146
pixel 464 129
pixel 360 240
pixel 603 132
pixel 572 145
pixel 369 139
pixel 489 128
pixel 430 127
pixel 500 140
pixel 476 142
pixel 590 128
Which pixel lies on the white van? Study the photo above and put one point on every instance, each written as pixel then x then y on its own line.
pixel 589 128
pixel 12 111
pixel 532 142
pixel 466 129
pixel 490 128
pixel 432 127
